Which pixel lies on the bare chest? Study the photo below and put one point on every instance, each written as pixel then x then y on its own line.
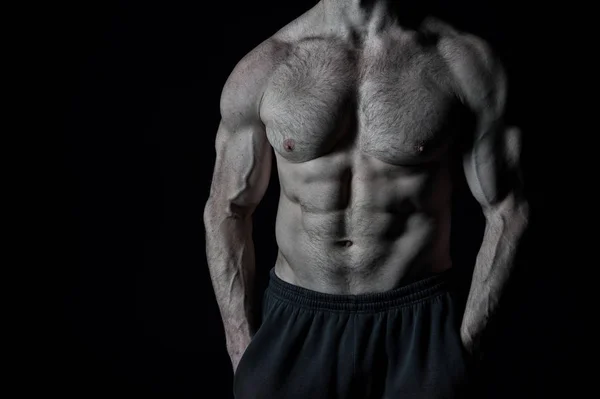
pixel 389 100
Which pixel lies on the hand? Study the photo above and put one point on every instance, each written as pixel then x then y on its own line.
pixel 470 340
pixel 474 324
pixel 235 361
pixel 236 349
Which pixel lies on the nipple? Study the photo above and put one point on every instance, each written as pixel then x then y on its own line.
pixel 420 147
pixel 289 144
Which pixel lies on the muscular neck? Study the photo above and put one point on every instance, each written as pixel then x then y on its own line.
pixel 361 15
pixel 367 16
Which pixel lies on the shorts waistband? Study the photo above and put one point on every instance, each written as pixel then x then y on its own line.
pixel 405 295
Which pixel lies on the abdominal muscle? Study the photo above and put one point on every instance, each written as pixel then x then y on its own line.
pixel 367 247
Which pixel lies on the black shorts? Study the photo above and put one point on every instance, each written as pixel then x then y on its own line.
pixel 403 343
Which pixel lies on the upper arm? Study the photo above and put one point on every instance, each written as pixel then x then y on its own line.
pixel 243 154
pixel 491 156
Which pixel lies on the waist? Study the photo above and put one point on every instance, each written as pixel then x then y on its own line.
pixel 357 257
pixel 408 294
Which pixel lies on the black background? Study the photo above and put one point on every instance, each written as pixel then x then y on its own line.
pixel 134 89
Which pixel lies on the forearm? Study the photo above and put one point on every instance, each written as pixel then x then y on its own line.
pixel 505 224
pixel 230 255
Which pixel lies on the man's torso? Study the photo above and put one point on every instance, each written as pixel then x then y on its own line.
pixel 363 134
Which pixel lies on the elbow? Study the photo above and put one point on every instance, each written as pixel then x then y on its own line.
pixel 520 215
pixel 519 208
pixel 523 210
pixel 512 210
pixel 209 212
pixel 217 210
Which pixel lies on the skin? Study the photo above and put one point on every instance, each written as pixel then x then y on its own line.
pixel 362 113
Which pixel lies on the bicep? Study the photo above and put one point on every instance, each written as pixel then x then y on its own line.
pixel 242 167
pixel 491 160
pixel 491 163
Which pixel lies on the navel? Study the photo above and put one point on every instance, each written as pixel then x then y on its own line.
pixel 289 145
pixel 345 243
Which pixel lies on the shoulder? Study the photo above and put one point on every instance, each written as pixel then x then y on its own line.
pixel 478 74
pixel 242 92
pixel 243 89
